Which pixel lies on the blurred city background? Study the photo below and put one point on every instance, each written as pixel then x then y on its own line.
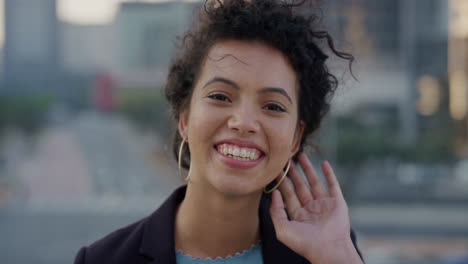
pixel 85 131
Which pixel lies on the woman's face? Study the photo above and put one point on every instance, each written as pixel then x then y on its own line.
pixel 242 121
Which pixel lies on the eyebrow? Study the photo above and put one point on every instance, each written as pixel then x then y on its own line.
pixel 276 90
pixel 223 80
pixel 263 90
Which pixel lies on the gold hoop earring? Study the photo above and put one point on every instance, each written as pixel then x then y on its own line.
pixel 186 179
pixel 280 181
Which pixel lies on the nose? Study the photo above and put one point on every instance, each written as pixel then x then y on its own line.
pixel 243 121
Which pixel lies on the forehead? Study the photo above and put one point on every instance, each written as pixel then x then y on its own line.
pixel 250 63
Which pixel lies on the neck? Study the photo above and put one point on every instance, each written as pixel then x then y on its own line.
pixel 209 224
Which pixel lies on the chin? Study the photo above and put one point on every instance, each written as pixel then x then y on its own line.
pixel 236 187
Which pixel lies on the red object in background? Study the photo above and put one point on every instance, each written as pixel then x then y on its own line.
pixel 104 98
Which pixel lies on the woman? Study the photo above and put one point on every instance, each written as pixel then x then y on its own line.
pixel 248 86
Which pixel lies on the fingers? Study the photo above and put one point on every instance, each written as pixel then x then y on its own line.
pixel 316 186
pixel 302 188
pixel 333 185
pixel 290 196
pixel 297 193
pixel 277 212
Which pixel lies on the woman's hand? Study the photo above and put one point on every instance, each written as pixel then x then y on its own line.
pixel 319 228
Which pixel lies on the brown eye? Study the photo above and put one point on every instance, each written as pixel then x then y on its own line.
pixel 275 107
pixel 219 97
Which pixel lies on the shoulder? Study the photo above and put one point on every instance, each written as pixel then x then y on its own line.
pixel 151 237
pixel 120 246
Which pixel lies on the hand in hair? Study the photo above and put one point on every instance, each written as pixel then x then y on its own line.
pixel 318 227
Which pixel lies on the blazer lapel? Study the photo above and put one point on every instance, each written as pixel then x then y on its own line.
pixel 157 243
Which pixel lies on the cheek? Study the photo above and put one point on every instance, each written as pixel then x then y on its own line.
pixel 281 134
pixel 203 123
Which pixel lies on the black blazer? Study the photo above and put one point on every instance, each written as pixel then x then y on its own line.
pixel 151 240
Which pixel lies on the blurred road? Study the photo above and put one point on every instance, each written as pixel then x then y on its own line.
pixel 94 156
pixel 85 177
pixel 411 220
pixel 92 174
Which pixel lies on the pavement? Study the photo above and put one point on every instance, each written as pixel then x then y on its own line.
pixel 94 173
pixel 417 220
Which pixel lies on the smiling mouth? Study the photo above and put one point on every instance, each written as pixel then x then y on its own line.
pixel 239 153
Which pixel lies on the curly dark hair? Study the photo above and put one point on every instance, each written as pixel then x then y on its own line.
pixel 288 26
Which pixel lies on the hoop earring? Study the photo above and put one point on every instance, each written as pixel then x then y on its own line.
pixel 280 181
pixel 186 179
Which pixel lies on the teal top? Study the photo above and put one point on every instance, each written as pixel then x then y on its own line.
pixel 253 255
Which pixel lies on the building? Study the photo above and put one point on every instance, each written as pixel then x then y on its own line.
pixel 31 60
pixel 88 48
pixel 135 47
pixel 397 43
pixel 147 31
pixel 458 70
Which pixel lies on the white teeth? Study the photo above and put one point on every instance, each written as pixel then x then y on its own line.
pixel 239 153
pixel 243 153
pixel 235 152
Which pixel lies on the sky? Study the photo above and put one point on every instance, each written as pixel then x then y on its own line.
pixel 87 11
pixel 79 12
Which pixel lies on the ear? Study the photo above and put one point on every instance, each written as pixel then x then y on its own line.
pixel 182 125
pixel 297 138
